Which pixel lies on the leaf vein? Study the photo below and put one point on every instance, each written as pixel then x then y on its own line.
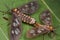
pixel 3 33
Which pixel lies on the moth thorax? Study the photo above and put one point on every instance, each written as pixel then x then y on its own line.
pixel 16 11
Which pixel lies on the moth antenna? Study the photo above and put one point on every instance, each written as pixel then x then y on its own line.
pixel 2 11
pixel 7 7
pixel 52 34
pixel 12 3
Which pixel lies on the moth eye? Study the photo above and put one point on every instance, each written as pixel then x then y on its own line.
pixel 14 10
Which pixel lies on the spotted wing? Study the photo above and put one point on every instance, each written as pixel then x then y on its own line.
pixel 29 8
pixel 16 28
pixel 46 17
pixel 31 33
pixel 34 32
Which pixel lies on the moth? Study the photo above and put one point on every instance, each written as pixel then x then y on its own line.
pixel 25 18
pixel 28 8
pixel 16 26
pixel 23 15
pixel 40 29
pixel 18 16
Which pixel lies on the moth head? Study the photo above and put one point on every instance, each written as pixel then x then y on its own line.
pixel 14 10
pixel 52 32
pixel 50 28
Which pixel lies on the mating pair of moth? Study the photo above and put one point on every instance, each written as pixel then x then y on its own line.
pixel 21 14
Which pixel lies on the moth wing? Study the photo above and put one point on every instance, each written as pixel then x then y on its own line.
pixel 16 28
pixel 30 33
pixel 46 17
pixel 34 32
pixel 29 8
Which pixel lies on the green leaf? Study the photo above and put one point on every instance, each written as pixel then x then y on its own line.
pixel 52 5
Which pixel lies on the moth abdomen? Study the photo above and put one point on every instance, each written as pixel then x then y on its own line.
pixel 27 19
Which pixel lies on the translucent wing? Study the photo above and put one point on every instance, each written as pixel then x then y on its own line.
pixel 46 17
pixel 16 28
pixel 29 8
